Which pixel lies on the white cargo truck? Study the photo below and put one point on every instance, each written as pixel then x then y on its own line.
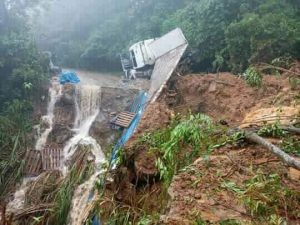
pixel 140 61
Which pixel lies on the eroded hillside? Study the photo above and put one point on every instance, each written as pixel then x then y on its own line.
pixel 180 168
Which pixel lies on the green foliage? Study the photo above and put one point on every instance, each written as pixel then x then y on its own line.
pixel 271 130
pixel 22 72
pixel 23 69
pixel 284 62
pixel 265 197
pixel 144 221
pixel 14 128
pixel 78 173
pixel 294 82
pixel 194 131
pixel 194 134
pixel 291 145
pixel 253 77
pixel 230 222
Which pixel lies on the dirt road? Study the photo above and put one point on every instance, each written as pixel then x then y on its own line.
pixel 109 80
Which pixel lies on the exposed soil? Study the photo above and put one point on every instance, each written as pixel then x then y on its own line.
pixel 198 192
pixel 228 97
pixel 156 116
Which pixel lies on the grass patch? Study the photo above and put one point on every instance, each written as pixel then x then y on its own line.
pixel 79 172
pixel 266 199
pixel 56 192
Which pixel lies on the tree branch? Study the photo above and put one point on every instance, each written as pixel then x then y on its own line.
pixel 290 161
pixel 264 66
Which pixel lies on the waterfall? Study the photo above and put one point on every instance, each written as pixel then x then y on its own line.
pixel 87 110
pixel 55 92
pixel 87 101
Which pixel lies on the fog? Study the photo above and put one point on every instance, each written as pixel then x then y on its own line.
pixel 92 33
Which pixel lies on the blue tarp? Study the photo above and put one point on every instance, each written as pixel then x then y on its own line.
pixel 68 77
pixel 137 107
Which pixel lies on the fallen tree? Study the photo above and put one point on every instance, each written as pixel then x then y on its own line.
pixel 286 158
pixel 265 66
pixel 291 129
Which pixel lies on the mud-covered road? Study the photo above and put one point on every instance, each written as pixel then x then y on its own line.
pixel 109 80
pixel 99 79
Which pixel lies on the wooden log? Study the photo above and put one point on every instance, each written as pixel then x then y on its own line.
pixel 286 158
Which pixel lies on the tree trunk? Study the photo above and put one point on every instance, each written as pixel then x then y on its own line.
pixel 291 129
pixel 290 161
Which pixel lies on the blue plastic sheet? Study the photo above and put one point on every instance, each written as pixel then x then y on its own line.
pixel 68 77
pixel 137 107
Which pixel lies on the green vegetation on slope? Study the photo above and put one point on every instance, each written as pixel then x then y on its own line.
pixel 22 72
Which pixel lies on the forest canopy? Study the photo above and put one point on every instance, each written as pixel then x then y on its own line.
pixel 223 35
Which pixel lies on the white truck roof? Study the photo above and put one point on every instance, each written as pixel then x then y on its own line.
pixel 167 43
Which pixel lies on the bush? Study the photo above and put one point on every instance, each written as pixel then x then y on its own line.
pixel 253 77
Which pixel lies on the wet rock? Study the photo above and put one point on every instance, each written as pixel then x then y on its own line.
pixel 68 97
pixel 60 134
pixel 64 116
pixel 112 100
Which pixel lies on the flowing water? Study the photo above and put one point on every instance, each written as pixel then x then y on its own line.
pixel 87 109
pixel 19 197
pixel 55 92
pixel 82 201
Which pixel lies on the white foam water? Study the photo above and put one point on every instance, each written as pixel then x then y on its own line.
pixel 81 201
pixel 18 201
pixel 55 92
pixel 87 110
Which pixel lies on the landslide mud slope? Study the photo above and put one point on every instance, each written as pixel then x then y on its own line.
pixel 202 193
pixel 228 97
pixel 210 191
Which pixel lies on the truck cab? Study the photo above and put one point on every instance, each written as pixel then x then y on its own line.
pixel 141 55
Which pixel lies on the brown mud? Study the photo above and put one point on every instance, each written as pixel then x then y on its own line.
pixel 198 192
pixel 227 97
